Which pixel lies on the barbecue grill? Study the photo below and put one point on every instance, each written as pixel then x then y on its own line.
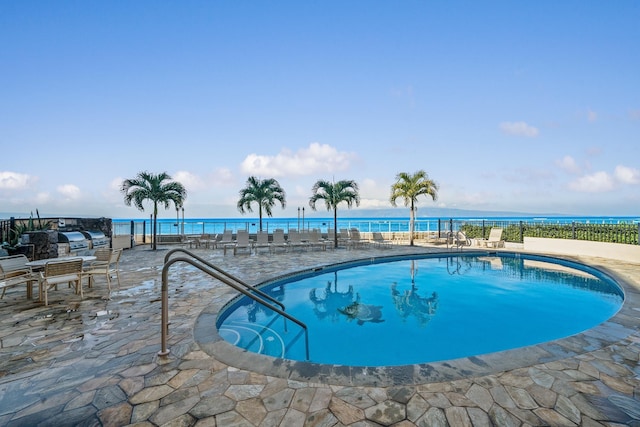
pixel 75 239
pixel 97 239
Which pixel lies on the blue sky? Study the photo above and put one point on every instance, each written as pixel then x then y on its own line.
pixel 509 106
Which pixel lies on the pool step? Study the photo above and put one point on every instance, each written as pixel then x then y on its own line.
pixel 262 339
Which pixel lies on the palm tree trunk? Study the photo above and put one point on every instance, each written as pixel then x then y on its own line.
pixel 335 227
pixel 155 224
pixel 260 214
pixel 411 224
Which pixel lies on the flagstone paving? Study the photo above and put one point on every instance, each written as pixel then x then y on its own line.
pixel 95 362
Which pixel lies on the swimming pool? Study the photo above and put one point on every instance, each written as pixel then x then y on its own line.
pixel 408 310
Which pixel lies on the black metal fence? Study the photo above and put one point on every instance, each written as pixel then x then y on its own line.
pixel 516 231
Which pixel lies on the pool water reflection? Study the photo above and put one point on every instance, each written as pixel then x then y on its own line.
pixel 425 309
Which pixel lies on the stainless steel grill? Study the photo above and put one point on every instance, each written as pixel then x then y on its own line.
pixel 75 239
pixel 97 239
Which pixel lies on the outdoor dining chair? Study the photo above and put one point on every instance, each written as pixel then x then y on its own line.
pixel 58 272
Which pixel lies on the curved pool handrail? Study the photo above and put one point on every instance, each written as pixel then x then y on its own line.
pixel 229 275
pixel 164 351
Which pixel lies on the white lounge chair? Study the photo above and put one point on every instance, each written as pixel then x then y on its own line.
pixel 295 240
pixel 315 240
pixel 354 239
pixel 226 240
pixel 242 242
pixel 495 238
pixel 379 241
pixel 458 240
pixel 278 240
pixel 262 240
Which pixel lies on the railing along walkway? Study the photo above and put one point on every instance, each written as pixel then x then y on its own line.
pixel 226 278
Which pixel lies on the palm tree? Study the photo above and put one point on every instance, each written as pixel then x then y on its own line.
pixel 409 187
pixel 147 186
pixel 263 192
pixel 333 193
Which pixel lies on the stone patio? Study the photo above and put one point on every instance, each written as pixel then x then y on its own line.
pixel 95 362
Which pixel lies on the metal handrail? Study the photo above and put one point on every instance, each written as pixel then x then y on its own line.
pixel 164 351
pixel 221 271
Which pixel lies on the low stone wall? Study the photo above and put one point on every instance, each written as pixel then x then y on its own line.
pixel 622 252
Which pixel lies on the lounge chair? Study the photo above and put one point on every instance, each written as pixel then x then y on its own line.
pixel 295 240
pixel 379 241
pixel 458 240
pixel 315 241
pixel 262 240
pixel 242 242
pixel 495 238
pixel 278 240
pixel 354 239
pixel 226 240
pixel 343 237
pixel 331 235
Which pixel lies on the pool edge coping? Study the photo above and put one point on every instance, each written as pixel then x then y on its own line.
pixel 614 330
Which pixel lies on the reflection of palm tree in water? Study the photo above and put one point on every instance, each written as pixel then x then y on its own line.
pixel 332 300
pixel 253 307
pixel 410 303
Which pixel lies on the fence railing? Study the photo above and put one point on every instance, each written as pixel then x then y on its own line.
pixel 514 230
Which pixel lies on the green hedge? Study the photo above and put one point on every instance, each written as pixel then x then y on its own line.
pixel 515 232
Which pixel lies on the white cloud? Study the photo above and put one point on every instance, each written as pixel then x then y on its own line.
pixel 568 164
pixel 42 198
pixel 223 176
pixel 69 191
pixel 15 181
pixel 317 158
pixel 627 175
pixel 188 180
pixel 595 183
pixel 519 129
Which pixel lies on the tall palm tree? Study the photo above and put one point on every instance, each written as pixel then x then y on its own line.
pixel 159 189
pixel 334 193
pixel 409 187
pixel 264 192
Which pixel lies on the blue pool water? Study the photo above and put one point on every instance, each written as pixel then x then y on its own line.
pixel 426 309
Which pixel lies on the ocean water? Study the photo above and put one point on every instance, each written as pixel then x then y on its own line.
pixel 193 226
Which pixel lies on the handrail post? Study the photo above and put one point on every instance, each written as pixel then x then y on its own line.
pixel 225 278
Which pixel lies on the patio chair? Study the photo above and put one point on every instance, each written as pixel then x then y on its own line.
pixel 295 240
pixel 58 272
pixel 226 240
pixel 343 237
pixel 262 240
pixel 354 239
pixel 495 238
pixel 14 272
pixel 315 241
pixel 379 241
pixel 278 240
pixel 458 240
pixel 107 264
pixel 331 234
pixel 242 242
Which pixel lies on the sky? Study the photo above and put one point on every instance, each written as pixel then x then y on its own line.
pixel 529 107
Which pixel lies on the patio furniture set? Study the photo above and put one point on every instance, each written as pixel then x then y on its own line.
pixel 17 270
